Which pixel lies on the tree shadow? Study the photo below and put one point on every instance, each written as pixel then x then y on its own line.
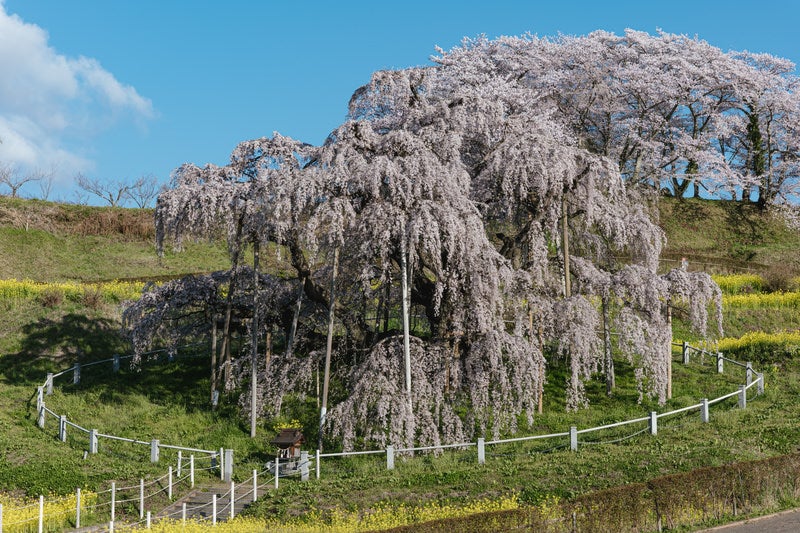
pixel 54 345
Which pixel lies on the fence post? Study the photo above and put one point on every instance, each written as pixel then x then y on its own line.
pixel 141 498
pixel 62 428
pixel 183 513
pixel 169 484
pixel 222 464
pixel 77 509
pixel 685 353
pixel 255 484
pixel 148 519
pixel 760 383
pixel 76 374
pixel 228 465
pixel 115 363
pixel 481 451
pixel 191 470
pixel 573 438
pixel 41 513
pixel 719 363
pixel 39 398
pixel 113 500
pixel 749 373
pixel 49 383
pixel 742 397
pixel 303 466
pixel 233 498
pixel 704 410
pixel 653 423
pixel 42 414
pixel 214 509
pixel 92 441
pixel 390 457
pixel 316 463
pixel 277 471
pixel 154 451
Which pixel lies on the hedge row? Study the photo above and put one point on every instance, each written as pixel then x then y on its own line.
pixel 700 497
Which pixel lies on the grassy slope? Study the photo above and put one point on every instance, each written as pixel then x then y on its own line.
pixel 727 237
pixel 33 340
pixel 44 241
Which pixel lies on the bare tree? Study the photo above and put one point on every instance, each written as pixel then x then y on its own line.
pixel 14 179
pixel 115 192
pixel 143 191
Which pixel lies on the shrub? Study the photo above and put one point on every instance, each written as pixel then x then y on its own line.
pixel 51 297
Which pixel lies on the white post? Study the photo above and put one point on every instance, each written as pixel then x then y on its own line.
pixel 749 373
pixel 183 513
pixel 49 383
pixel 76 374
pixel 481 451
pixel 141 498
pixel 704 410
pixel 191 470
pixel 42 414
pixel 92 441
pixel 111 527
pixel 233 498
pixel 214 509
pixel 255 484
pixel 573 438
pixel 228 471
pixel 277 471
pixel 154 451
pixel 316 464
pixel 62 428
pixel 148 519
pixel 113 501
pixel 180 459
pixel 742 397
pixel 115 364
pixel 653 423
pixel 760 383
pixel 390 457
pixel 685 353
pixel 39 398
pixel 41 513
pixel 169 484
pixel 221 464
pixel 719 363
pixel 77 509
pixel 303 466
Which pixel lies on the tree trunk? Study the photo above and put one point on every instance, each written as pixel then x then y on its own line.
pixel 406 340
pixel 669 349
pixel 608 359
pixel 328 347
pixel 254 341
pixel 565 246
pixel 295 318
pixel 214 320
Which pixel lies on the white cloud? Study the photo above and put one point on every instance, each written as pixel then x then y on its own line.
pixel 48 100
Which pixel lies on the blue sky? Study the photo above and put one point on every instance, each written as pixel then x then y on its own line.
pixel 120 89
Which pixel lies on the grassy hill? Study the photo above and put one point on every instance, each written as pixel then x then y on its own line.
pixel 54 242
